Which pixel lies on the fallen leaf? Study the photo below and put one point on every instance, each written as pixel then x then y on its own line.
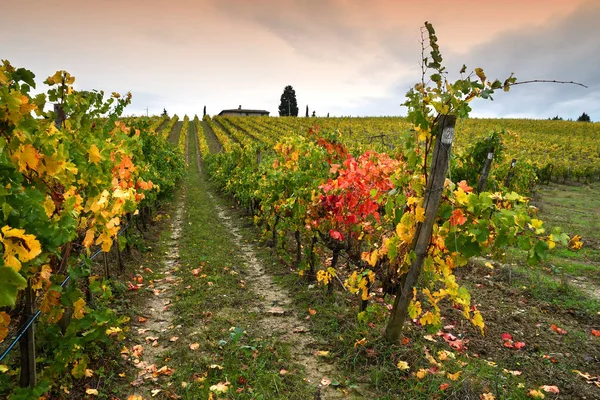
pixel 558 330
pixel 216 366
pixel 595 332
pixel 283 371
pixel 453 377
pixel 519 345
pixel 322 353
pixel 403 365
pixel 92 392
pixel 311 311
pixel 513 373
pixel 135 397
pixel 360 342
pixel 550 389
pixel 220 387
pixel 487 396
pixel 506 336
pixel 536 394
pixel 194 346
pixel 444 386
pixel 429 338
pixel 174 338
pixel 142 319
pixel 325 382
pixel 421 373
pixel 155 392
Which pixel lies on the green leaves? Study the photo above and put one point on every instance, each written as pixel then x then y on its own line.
pixel 10 283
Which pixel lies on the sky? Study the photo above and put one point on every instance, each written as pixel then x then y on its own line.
pixel 342 57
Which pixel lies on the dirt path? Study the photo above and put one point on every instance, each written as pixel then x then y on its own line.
pixel 277 318
pixel 174 134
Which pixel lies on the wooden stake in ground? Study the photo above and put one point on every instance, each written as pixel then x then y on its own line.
pixel 431 202
pixel 485 172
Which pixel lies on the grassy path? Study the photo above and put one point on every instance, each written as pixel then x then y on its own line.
pixel 174 134
pixel 215 321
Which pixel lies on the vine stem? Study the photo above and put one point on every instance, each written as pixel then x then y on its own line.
pixel 548 81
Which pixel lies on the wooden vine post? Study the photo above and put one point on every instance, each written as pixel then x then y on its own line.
pixel 431 202
pixel 485 171
pixel 27 343
pixel 511 173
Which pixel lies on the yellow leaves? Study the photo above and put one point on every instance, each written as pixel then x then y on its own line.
pixel 18 247
pixel 113 331
pixel 430 318
pixel 403 366
pixel 50 306
pixel 94 154
pixel 220 387
pixel 453 377
pixel 575 243
pixel 477 320
pixel 360 342
pixel 4 323
pixel 461 197
pixel 89 238
pixel 487 396
pixel 420 214
pixel 421 373
pixel 79 309
pixel 370 258
pixel 536 224
pixel 536 394
pixel 49 206
pixel 26 157
pixel 324 277
pixel 414 309
pixel 92 392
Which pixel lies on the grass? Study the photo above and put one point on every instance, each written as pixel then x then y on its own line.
pixel 213 309
pixel 519 300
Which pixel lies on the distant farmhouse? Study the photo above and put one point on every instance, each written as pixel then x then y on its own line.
pixel 243 112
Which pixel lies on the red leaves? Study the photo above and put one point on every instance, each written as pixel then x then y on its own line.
pixel 558 330
pixel 509 343
pixel 454 342
pixel 336 235
pixel 353 197
pixel 595 333
pixel 458 217
pixel 466 188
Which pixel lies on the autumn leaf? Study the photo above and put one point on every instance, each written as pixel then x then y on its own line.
pixel 19 247
pixel 92 392
pixel 220 387
pixel 421 373
pixel 94 154
pixel 464 186
pixel 458 217
pixel 194 346
pixel 550 389
pixel 453 377
pixel 536 394
pixel 311 311
pixel 558 330
pixel 487 396
pixel 519 345
pixel 79 309
pixel 444 386
pixel 4 323
pixel 26 157
pixel 403 365
pixel 596 332
pixel 575 243
pixel 360 342
pixel 336 235
pixel 420 214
